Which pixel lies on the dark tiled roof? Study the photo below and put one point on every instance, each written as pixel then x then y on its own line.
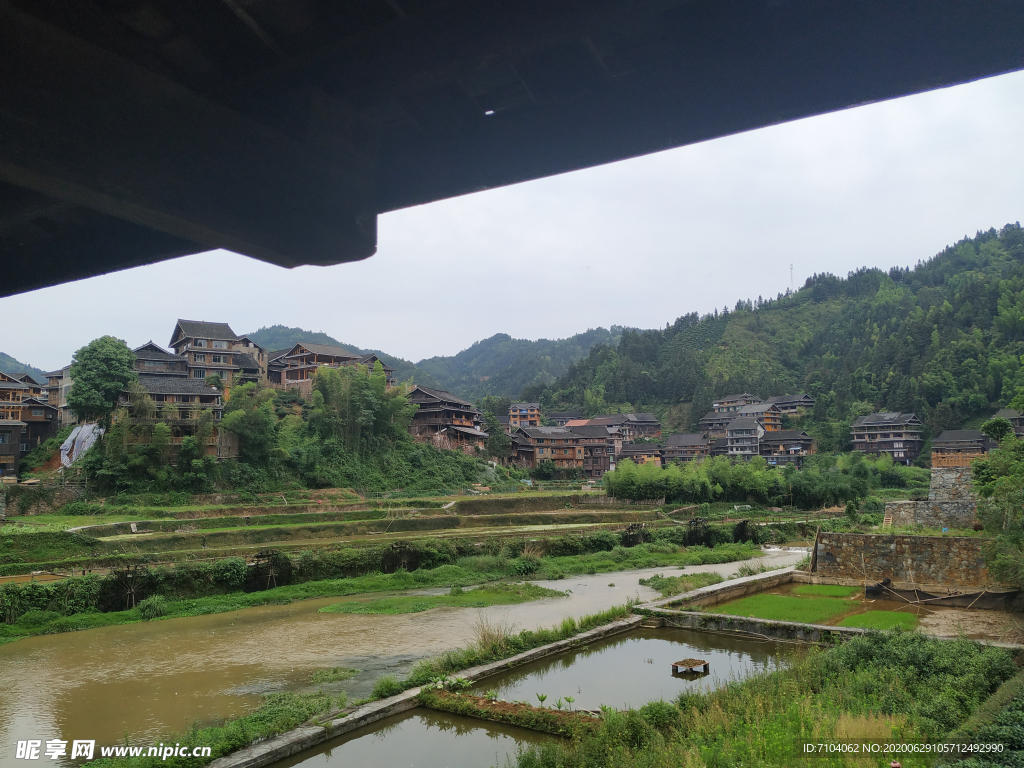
pixel 13 385
pixel 744 422
pixel 611 421
pixel 959 436
pixel 740 396
pixel 591 430
pixel 200 329
pixel 784 399
pixel 565 415
pixel 643 417
pixel 371 358
pixel 546 432
pixel 35 402
pixel 523 406
pixel 324 349
pixel 716 416
pixel 888 419
pixel 11 423
pixel 246 361
pixel 175 385
pixel 686 439
pixel 150 351
pixel 1006 413
pixel 24 377
pixel 629 448
pixel 274 354
pixel 757 408
pixel 785 434
pixel 468 431
pixel 439 394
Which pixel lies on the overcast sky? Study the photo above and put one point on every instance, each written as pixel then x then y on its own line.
pixel 635 243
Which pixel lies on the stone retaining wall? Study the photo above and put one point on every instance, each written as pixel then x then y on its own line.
pixel 939 561
pixel 951 502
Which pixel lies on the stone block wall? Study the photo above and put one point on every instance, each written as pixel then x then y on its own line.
pixel 951 502
pixel 949 561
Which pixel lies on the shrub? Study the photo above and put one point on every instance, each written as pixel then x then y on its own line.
pixel 81 508
pixel 388 685
pixel 153 607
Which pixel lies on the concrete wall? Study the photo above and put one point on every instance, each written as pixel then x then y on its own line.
pixel 937 561
pixel 951 502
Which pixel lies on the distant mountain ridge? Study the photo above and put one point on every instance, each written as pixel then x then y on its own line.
pixel 499 365
pixel 9 365
pixel 276 337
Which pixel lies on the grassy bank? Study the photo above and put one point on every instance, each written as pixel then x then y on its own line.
pixel 73 604
pixel 482 597
pixel 897 686
pixel 677 585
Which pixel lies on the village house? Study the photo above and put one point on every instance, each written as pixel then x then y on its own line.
pixel 732 403
pixel 631 425
pixel 1016 418
pixel 958 447
pixel 685 447
pixel 523 452
pixel 153 360
pixel 597 450
pixel 714 423
pixel 442 414
pixel 41 420
pixel 767 415
pixel 562 418
pixel 898 434
pixel 213 349
pixel 791 403
pixel 559 445
pixel 12 392
pixel 10 446
pixel 640 453
pixel 297 366
pixel 523 415
pixel 58 386
pixel 179 402
pixel 786 446
pixel 743 436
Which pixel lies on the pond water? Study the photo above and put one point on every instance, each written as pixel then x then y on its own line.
pixel 420 739
pixel 633 669
pixel 148 680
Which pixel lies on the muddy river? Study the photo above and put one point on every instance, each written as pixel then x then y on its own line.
pixel 149 679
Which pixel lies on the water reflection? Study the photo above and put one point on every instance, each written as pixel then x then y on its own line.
pixel 420 739
pixel 631 670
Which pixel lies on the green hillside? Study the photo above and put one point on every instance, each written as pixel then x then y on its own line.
pixel 281 337
pixel 943 340
pixel 504 366
pixel 9 365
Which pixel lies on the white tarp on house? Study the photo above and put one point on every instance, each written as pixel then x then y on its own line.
pixel 79 441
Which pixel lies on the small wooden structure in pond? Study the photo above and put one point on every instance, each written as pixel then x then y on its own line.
pixel 690 665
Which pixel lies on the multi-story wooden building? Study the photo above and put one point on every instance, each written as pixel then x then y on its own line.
pixel 12 392
pixel 767 414
pixel 58 386
pixel 898 434
pixel 714 423
pixel 180 401
pixel 523 415
pixel 630 425
pixel 1016 418
pixel 213 349
pixel 41 421
pixel 792 403
pixel 562 418
pixel 153 360
pixel 10 446
pixel 640 453
pixel 297 366
pixel 686 447
pixel 786 446
pixel 743 436
pixel 732 403
pixel 442 414
pixel 560 445
pixel 959 447
pixel 597 450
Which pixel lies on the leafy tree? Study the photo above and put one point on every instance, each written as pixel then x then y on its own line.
pixel 101 372
pixel 249 414
pixel 499 444
pixel 997 429
pixel 999 479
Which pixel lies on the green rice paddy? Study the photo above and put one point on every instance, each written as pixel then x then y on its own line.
pixel 880 620
pixel 825 590
pixel 806 610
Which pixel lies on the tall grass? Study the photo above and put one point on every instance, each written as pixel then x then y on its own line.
pixel 892 685
pixel 807 610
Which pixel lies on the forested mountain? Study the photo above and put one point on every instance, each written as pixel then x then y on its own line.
pixel 9 365
pixel 282 337
pixel 943 340
pixel 503 366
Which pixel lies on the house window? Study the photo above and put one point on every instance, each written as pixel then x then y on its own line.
pixel 220 345
pixel 218 359
pixel 199 358
pixel 5 436
pixel 199 343
pixel 24 448
pixel 37 411
pixel 198 373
